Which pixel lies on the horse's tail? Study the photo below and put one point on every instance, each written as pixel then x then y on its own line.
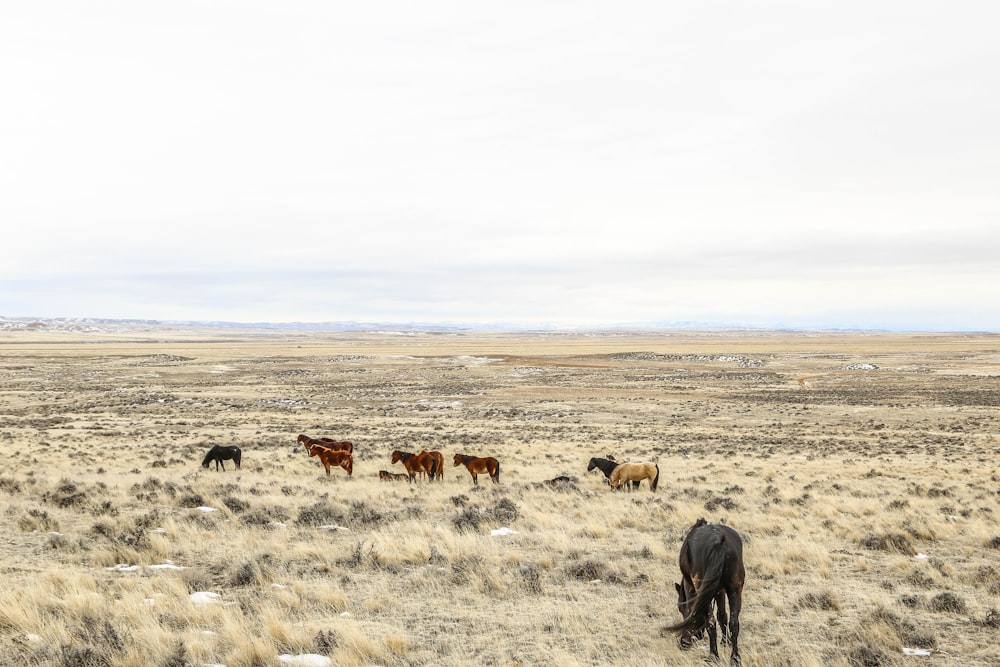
pixel 708 587
pixel 237 456
pixel 496 478
pixel 656 479
pixel 433 471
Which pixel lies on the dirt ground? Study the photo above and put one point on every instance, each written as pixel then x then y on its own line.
pixel 861 470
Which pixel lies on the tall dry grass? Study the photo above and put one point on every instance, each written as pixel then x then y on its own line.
pixel 868 514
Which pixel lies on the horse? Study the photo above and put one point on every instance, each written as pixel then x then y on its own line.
pixel 711 563
pixel 387 476
pixel 414 463
pixel 477 465
pixel 436 466
pixel 332 458
pixel 607 466
pixel 329 443
pixel 635 473
pixel 342 445
pixel 218 453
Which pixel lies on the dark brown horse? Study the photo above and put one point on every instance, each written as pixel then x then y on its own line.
pixel 607 466
pixel 711 562
pixel 387 476
pixel 329 443
pixel 479 465
pixel 342 445
pixel 414 463
pixel 331 458
pixel 218 453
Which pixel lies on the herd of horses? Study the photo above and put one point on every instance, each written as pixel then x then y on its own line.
pixel 711 555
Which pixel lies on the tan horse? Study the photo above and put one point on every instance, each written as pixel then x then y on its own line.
pixel 634 472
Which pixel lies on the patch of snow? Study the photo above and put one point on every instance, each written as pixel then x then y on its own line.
pixel 206 509
pixel 335 527
pixel 159 531
pixel 305 660
pixel 861 367
pixel 921 556
pixel 917 651
pixel 122 567
pixel 205 597
pixel 167 565
pixel 499 532
pixel 33 637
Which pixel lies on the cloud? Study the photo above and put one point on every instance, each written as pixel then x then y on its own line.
pixel 576 163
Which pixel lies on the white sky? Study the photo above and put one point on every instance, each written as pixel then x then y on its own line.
pixel 812 164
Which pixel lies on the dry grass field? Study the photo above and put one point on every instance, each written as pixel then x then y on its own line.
pixel 861 471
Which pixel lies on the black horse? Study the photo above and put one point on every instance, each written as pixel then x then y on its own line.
pixel 218 453
pixel 606 466
pixel 711 562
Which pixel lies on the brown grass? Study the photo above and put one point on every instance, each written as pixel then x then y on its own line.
pixel 868 499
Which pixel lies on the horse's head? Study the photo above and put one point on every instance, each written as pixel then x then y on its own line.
pixel 396 456
pixel 347 463
pixel 591 465
pixel 458 459
pixel 685 598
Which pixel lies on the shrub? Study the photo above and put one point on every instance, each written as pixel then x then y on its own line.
pixel 899 542
pixel 947 601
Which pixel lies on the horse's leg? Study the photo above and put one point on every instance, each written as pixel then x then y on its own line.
pixel 475 479
pixel 713 643
pixel 720 613
pixel 735 602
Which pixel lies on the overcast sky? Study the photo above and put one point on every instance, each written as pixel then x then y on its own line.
pixel 807 164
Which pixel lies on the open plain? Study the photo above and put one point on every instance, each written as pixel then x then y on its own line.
pixel 860 469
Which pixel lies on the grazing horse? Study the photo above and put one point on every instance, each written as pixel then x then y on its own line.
pixel 218 453
pixel 387 476
pixel 635 473
pixel 477 465
pixel 711 562
pixel 607 466
pixel 434 462
pixel 333 458
pixel 414 463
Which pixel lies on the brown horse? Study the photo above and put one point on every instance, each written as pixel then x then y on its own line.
pixel 414 463
pixel 711 562
pixel 477 465
pixel 624 473
pixel 436 467
pixel 342 445
pixel 387 476
pixel 329 443
pixel 333 458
